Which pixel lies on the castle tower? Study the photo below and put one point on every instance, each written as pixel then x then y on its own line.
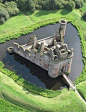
pixel 32 41
pixel 61 31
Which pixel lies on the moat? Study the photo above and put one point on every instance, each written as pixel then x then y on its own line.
pixel 32 72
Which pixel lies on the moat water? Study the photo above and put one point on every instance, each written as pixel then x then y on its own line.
pixel 32 72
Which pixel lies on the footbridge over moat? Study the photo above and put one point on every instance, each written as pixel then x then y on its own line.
pixel 70 83
pixel 72 86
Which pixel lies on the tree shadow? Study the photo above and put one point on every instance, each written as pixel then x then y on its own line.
pixel 82 95
pixel 27 13
pixel 45 12
pixel 64 12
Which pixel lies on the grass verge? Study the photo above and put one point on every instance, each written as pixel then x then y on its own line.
pixel 34 24
pixel 67 101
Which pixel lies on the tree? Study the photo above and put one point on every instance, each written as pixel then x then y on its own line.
pixel 59 5
pixel 47 5
pixel 79 3
pixel 70 5
pixel 26 5
pixel 22 4
pixel 30 5
pixel 11 8
pixel 3 15
pixel 53 4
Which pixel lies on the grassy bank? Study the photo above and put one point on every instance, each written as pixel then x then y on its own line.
pixel 81 88
pixel 5 106
pixel 67 101
pixel 62 101
pixel 26 23
pixel 30 87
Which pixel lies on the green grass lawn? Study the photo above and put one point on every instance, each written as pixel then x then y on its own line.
pixel 5 106
pixel 67 101
pixel 23 20
pixel 81 87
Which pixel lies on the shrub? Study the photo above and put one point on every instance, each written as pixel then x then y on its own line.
pixel 26 5
pixel 3 15
pixel 70 5
pixel 38 7
pixel 30 5
pixel 12 9
pixel 53 4
pixel 59 5
pixel 22 4
pixel 79 3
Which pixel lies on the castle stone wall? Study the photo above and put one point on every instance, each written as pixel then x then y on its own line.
pixel 56 68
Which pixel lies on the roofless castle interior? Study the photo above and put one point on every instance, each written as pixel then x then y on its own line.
pixel 50 53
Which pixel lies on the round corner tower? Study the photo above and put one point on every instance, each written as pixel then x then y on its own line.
pixel 61 30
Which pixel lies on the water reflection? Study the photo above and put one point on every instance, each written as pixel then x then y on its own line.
pixel 40 73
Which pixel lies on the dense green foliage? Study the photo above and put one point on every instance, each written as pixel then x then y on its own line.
pixel 6 10
pixel 10 6
pixel 57 4
pixel 79 3
pixel 70 5
pixel 26 5
pixel 3 15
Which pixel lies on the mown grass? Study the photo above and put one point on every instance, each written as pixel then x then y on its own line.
pixel 67 101
pixel 64 101
pixel 24 22
pixel 5 106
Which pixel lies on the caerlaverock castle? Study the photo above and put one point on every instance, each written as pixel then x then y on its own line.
pixel 50 53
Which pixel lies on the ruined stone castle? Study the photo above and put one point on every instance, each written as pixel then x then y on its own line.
pixel 50 53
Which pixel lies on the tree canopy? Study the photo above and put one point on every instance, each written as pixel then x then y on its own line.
pixel 12 7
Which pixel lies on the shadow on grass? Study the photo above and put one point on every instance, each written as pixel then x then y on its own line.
pixel 27 13
pixel 40 13
pixel 45 12
pixel 64 12
pixel 82 95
